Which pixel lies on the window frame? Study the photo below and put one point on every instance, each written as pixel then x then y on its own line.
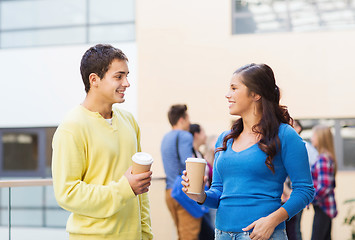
pixel 41 148
pixel 322 15
pixel 337 137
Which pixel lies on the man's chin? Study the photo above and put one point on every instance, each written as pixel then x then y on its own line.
pixel 122 100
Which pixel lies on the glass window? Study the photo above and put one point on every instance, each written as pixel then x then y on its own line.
pixel 254 16
pixel 108 11
pixel 27 23
pixel 26 152
pixel 20 151
pixel 49 137
pixel 112 33
pixel 44 13
pixel 348 136
pixel 344 138
pixel 45 37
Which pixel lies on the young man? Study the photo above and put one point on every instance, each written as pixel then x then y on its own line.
pixel 178 141
pixel 92 150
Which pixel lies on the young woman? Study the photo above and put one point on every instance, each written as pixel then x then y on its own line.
pixel 252 161
pixel 323 174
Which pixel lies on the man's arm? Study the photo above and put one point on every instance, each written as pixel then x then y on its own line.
pixel 144 200
pixel 145 217
pixel 74 195
pixel 185 146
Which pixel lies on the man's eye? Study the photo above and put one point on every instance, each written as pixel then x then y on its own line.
pixel 119 77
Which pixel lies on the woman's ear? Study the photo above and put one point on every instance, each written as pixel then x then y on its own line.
pixel 256 97
pixel 94 80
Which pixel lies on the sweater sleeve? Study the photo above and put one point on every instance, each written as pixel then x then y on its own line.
pixel 73 194
pixel 145 217
pixel 295 159
pixel 215 192
pixel 144 201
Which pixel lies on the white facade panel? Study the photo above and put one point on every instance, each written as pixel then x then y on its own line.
pixel 39 85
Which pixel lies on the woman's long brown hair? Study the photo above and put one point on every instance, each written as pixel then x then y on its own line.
pixel 259 78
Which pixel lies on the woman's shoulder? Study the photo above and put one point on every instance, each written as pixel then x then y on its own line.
pixel 223 135
pixel 221 138
pixel 325 157
pixel 284 127
pixel 286 130
pixel 288 135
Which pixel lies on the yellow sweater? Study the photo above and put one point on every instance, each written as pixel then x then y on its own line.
pixel 90 157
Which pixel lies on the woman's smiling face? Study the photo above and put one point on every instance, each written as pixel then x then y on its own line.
pixel 239 97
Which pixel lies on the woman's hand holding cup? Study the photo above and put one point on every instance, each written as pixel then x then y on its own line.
pixel 200 198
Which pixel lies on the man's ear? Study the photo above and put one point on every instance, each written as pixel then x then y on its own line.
pixel 181 119
pixel 94 80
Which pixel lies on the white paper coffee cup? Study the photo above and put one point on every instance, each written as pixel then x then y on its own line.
pixel 195 172
pixel 141 162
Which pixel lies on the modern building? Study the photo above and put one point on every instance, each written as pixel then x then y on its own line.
pixel 180 52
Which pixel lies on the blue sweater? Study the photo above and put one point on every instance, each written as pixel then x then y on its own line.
pixel 172 166
pixel 244 189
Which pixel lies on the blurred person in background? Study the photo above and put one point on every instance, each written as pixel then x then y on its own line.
pixel 200 138
pixel 176 147
pixel 311 150
pixel 199 135
pixel 252 161
pixel 293 226
pixel 323 174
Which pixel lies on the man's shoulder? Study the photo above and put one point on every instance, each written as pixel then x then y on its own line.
pixel 185 134
pixel 74 117
pixel 123 113
pixel 73 122
pixel 181 135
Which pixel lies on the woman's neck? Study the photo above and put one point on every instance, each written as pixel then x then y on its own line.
pixel 249 122
pixel 196 146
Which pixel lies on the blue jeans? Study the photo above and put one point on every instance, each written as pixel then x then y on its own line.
pixel 279 234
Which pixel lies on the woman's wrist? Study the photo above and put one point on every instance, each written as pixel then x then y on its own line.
pixel 203 198
pixel 278 216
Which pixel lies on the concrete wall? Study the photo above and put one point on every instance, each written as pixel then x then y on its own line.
pixel 186 54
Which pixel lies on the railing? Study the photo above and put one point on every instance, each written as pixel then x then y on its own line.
pixel 21 183
pixel 32 211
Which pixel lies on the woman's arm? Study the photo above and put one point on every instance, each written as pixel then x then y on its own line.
pixel 295 159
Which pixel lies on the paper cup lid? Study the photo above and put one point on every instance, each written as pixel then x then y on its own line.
pixel 142 158
pixel 199 160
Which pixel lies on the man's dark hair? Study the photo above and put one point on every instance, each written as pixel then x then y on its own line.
pixel 194 128
pixel 98 59
pixel 176 112
pixel 296 121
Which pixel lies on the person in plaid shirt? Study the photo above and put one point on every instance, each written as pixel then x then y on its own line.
pixel 323 175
